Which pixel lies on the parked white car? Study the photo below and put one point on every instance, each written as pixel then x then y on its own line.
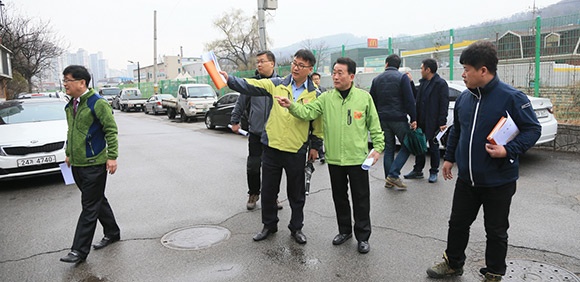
pixel 542 107
pixel 32 137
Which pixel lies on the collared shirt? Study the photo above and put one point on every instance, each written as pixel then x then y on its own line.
pixel 78 101
pixel 79 98
pixel 297 90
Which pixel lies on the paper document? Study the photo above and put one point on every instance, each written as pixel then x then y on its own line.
pixel 504 131
pixel 240 131
pixel 366 165
pixel 66 174
pixel 212 67
pixel 440 135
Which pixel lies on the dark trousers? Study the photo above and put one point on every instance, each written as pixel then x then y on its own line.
pixel 435 158
pixel 253 164
pixel 340 176
pixel 273 162
pixel 496 203
pixel 91 180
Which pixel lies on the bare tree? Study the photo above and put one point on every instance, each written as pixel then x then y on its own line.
pixel 33 46
pixel 237 50
pixel 320 50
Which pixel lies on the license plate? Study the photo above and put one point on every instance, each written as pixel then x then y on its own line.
pixel 36 161
pixel 542 113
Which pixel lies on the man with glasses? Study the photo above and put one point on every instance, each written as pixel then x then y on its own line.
pixel 349 115
pixel 91 151
pixel 256 110
pixel 316 79
pixel 286 141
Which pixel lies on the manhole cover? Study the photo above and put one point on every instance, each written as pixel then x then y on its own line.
pixel 195 237
pixel 528 270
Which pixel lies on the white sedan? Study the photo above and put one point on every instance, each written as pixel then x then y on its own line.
pixel 542 107
pixel 32 136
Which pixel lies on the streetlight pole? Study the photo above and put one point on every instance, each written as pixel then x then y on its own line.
pixel 264 5
pixel 138 74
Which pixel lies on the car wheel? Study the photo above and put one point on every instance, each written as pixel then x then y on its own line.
pixel 146 111
pixel 183 117
pixel 171 113
pixel 208 122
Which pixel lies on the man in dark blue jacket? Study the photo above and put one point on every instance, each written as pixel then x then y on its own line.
pixel 256 110
pixel 432 106
pixel 487 173
pixel 393 98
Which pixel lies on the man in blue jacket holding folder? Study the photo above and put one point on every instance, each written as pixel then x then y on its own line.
pixel 487 173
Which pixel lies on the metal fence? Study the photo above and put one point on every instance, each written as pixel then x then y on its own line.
pixel 528 60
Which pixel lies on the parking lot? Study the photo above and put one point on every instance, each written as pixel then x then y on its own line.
pixel 175 175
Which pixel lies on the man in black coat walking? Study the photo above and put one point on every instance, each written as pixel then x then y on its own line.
pixel 432 107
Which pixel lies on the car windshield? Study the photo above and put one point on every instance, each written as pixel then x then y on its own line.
pixel 200 92
pixel 12 112
pixel 110 92
pixel 132 93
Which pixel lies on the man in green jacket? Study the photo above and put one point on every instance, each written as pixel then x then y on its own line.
pixel 286 141
pixel 348 115
pixel 91 151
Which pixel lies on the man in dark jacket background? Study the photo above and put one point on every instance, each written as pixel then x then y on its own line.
pixel 432 105
pixel 487 173
pixel 393 98
pixel 256 109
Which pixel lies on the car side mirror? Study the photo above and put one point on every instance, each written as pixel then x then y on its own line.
pixel 215 104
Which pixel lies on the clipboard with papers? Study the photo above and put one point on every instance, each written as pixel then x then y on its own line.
pixel 504 131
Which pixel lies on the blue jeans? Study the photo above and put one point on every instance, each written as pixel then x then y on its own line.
pixel 392 129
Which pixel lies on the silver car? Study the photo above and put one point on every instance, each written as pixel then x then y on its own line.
pixel 153 104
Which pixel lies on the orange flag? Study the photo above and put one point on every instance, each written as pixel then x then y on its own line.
pixel 212 67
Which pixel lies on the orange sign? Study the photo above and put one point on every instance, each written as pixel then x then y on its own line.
pixel 372 43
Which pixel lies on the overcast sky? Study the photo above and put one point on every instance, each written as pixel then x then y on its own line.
pixel 123 29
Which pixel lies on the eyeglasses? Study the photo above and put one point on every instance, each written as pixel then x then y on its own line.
pixel 65 81
pixel 300 66
pixel 261 62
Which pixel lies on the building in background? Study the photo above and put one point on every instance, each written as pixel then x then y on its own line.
pixel 5 69
pixel 171 68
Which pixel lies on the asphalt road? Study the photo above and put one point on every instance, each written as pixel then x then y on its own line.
pixel 176 175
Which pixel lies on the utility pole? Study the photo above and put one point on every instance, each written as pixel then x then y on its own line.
pixel 155 86
pixel 138 74
pixel 264 5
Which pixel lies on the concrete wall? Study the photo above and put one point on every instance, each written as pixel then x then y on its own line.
pixel 567 140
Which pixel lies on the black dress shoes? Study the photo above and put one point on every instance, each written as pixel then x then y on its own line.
pixel 105 242
pixel 364 247
pixel 299 237
pixel 341 238
pixel 72 257
pixel 264 233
